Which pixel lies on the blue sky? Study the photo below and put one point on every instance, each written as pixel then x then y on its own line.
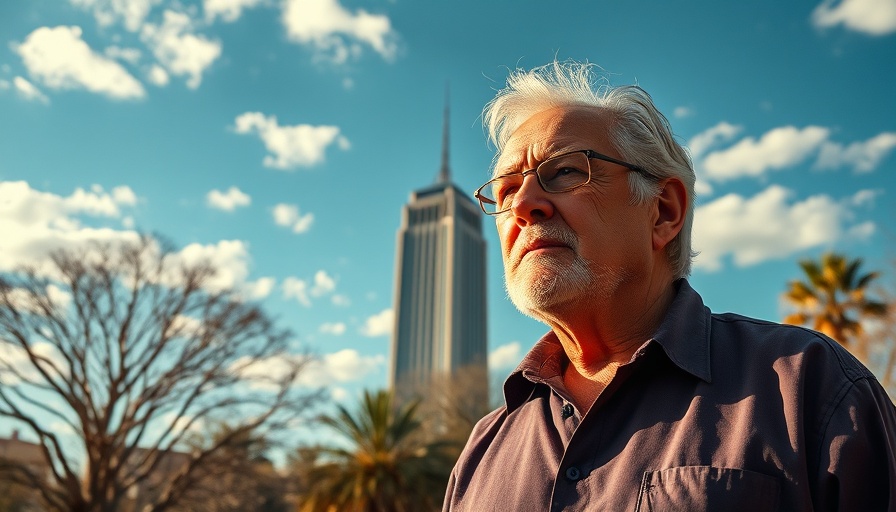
pixel 282 137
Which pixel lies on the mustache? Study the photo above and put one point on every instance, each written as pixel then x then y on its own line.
pixel 538 232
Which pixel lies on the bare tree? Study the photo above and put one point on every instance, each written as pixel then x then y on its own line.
pixel 110 355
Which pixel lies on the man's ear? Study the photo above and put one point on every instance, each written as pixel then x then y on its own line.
pixel 671 208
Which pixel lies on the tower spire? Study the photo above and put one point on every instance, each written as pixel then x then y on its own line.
pixel 445 171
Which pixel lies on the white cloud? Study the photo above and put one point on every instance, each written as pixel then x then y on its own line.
pixel 770 225
pixel 288 215
pixel 4 85
pixel 299 289
pixel 338 367
pixel 229 258
pixel 227 201
pixel 703 142
pixel 122 195
pixel 343 366
pixel 296 288
pixel 129 55
pixel 379 324
pixel 323 284
pixel 15 357
pixel 107 12
pixel 873 17
pixel 865 197
pixel 184 326
pixel 776 149
pixel 712 137
pixel 336 328
pixel 682 112
pixel 340 300
pixel 158 76
pixel 505 356
pixel 35 223
pixel 337 33
pixel 259 288
pixel 179 49
pixel 60 59
pixel 294 146
pixel 228 10
pixel 24 300
pixel 861 156
pixel 28 91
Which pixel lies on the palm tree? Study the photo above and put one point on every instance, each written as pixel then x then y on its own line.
pixel 388 465
pixel 834 298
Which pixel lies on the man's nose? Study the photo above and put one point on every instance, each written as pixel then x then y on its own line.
pixel 531 203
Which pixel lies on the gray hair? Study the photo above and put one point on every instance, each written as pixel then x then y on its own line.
pixel 638 131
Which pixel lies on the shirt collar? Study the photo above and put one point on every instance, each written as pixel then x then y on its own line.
pixel 684 335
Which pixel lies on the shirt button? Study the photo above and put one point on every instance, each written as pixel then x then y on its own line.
pixel 566 412
pixel 573 473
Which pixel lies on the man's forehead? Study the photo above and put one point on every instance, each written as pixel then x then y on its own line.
pixel 552 132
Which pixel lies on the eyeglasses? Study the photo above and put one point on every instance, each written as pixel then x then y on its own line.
pixel 560 173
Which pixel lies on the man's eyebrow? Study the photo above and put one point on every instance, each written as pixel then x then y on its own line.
pixel 515 164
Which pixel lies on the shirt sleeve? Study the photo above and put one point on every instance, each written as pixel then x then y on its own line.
pixel 857 456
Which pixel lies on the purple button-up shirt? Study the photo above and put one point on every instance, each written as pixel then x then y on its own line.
pixel 714 412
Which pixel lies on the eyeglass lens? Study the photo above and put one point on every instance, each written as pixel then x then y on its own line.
pixel 558 174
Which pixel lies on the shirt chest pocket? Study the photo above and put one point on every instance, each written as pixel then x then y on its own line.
pixel 706 488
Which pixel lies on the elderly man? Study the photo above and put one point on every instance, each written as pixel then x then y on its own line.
pixel 639 398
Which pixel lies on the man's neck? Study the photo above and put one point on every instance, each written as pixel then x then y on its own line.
pixel 601 341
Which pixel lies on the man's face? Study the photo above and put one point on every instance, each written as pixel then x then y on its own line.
pixel 583 244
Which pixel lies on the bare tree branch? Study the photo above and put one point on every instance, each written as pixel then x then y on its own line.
pixel 132 350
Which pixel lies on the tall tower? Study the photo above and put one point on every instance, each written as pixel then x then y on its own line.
pixel 440 303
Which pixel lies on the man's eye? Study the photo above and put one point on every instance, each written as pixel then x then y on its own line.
pixel 505 190
pixel 566 171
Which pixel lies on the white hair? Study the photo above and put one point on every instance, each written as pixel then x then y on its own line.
pixel 637 130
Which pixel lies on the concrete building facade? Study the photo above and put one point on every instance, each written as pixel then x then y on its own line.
pixel 440 283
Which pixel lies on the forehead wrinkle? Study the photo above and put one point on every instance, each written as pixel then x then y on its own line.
pixel 561 133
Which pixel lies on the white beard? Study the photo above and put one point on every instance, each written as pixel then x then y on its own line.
pixel 541 283
pixel 541 286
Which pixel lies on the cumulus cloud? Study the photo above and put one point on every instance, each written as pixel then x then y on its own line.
pixel 872 17
pixel 228 10
pixel 341 300
pixel 227 201
pixel 379 324
pixel 335 328
pixel 131 13
pixel 338 367
pixel 505 356
pixel 336 33
pixel 861 156
pixel 260 288
pixel 34 223
pixel 323 284
pixel 27 91
pixel 771 225
pixel 288 215
pixel 158 76
pixel 703 142
pixel 299 289
pixel 776 149
pixel 295 146
pixel 712 137
pixel 129 55
pixel 865 197
pixel 59 59
pixel 229 258
pixel 343 366
pixel 780 148
pixel 295 288
pixel 177 47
